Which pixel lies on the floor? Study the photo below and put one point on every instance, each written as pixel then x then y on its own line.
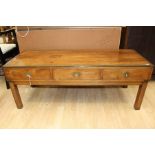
pixel 77 108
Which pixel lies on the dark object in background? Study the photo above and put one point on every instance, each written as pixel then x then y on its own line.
pixel 6 56
pixel 142 39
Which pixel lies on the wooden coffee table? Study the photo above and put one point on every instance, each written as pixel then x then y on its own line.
pixel 79 68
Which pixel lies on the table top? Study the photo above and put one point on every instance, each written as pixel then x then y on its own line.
pixel 78 58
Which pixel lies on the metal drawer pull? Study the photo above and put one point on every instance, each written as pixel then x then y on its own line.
pixel 28 75
pixel 76 74
pixel 126 74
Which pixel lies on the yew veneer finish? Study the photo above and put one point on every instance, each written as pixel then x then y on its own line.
pixel 79 68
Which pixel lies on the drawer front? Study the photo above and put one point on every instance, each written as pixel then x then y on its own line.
pixel 127 73
pixel 27 73
pixel 76 74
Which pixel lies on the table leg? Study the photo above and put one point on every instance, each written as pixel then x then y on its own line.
pixel 16 95
pixel 140 95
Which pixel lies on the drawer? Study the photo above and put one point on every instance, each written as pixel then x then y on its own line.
pixel 127 73
pixel 26 73
pixel 76 74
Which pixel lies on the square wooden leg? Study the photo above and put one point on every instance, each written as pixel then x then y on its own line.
pixel 16 95
pixel 140 95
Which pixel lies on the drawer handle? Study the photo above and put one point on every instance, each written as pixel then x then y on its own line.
pixel 28 75
pixel 126 74
pixel 76 74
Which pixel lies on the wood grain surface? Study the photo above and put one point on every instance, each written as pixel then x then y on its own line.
pixel 124 57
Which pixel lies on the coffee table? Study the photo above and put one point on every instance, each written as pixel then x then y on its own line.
pixel 79 68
